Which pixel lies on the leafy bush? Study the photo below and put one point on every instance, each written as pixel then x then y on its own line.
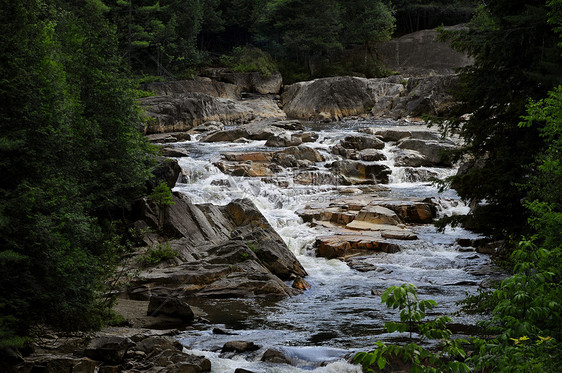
pixel 412 312
pixel 248 59
pixel 156 255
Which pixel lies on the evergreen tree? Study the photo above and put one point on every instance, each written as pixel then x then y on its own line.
pixel 516 58
pixel 71 155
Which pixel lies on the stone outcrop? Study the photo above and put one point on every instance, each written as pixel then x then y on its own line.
pixel 185 111
pixel 330 99
pixel 222 251
pixel 356 172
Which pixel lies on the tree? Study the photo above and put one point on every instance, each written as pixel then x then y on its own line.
pixel 515 58
pixel 305 29
pixel 71 157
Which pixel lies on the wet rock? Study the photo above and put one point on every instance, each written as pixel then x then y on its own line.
pixel 173 307
pixel 283 140
pixel 156 344
pixel 174 152
pixel 226 135
pixel 251 156
pixel 181 113
pixel 168 137
pixel 301 284
pixel 309 137
pixel 399 235
pixel 240 346
pixel 356 172
pixel 275 357
pixel 362 142
pixel 109 349
pixel 416 212
pixel 248 169
pixel 242 370
pixel 378 215
pixel 428 152
pixel 222 331
pixel 370 155
pixel 304 153
pixel 344 245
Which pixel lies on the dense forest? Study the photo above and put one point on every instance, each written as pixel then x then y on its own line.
pixel 73 158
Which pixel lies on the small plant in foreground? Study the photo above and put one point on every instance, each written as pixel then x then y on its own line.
pixel 412 312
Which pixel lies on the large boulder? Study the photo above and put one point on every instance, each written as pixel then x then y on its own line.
pixel 425 153
pixel 332 98
pixel 188 110
pixel 222 251
pixel 356 172
pixel 109 349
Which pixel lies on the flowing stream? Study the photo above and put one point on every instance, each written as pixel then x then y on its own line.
pixel 342 313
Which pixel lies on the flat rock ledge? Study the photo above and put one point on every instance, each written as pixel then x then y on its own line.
pixel 366 223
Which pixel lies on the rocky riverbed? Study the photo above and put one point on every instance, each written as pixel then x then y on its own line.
pixel 293 209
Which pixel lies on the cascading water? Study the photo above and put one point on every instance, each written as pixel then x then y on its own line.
pixel 341 313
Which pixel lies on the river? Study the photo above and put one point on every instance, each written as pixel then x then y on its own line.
pixel 342 312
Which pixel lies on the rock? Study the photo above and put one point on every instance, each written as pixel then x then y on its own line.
pixel 251 156
pixel 240 346
pixel 208 127
pixel 167 170
pixel 226 135
pixel 249 169
pixel 183 112
pixel 416 212
pixel 221 331
pixel 282 140
pixel 266 243
pixel 51 363
pixel 173 307
pixel 357 172
pixel 421 53
pixel 340 246
pixel 201 85
pixel 399 235
pixel 274 356
pixel 109 349
pixel 303 153
pixel 157 344
pixel 362 142
pixel 378 215
pixel 370 155
pixel 333 98
pixel 301 284
pixel 433 152
pixel 309 137
pixel 190 364
pixel 223 252
pixel 242 370
pixel 168 137
pixel 174 152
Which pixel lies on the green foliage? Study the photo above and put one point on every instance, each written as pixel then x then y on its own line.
pixel 247 59
pixel 412 312
pixel 72 158
pixel 156 255
pixel 162 195
pixel 515 58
